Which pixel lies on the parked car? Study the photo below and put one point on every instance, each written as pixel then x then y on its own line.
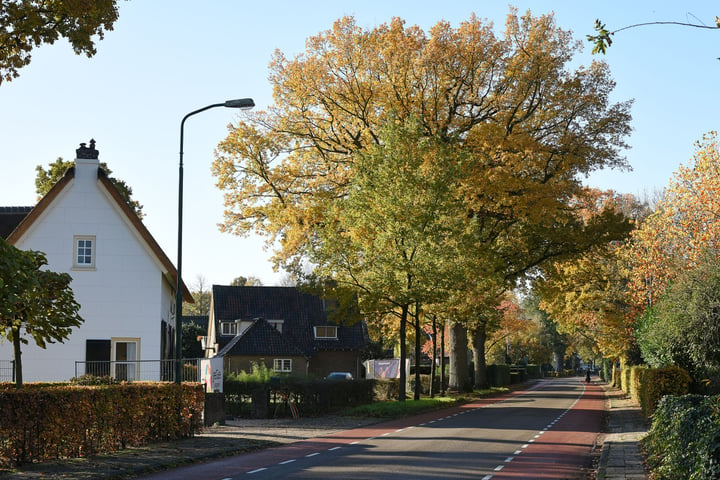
pixel 339 376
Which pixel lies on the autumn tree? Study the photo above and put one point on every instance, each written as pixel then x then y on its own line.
pixel 28 24
pixel 682 231
pixel 46 179
pixel 34 302
pixel 501 124
pixel 587 294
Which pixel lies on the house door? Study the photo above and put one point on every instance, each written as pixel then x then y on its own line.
pixel 97 357
pixel 126 365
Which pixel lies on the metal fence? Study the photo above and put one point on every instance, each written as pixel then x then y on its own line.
pixel 140 370
pixel 7 371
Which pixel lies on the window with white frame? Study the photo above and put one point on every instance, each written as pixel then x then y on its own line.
pixel 84 254
pixel 228 328
pixel 326 332
pixel 283 365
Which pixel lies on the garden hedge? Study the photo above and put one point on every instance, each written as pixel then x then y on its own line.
pixel 498 375
pixel 301 396
pixel 684 439
pixel 44 422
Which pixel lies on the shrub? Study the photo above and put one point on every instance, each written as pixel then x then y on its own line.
pixel 625 380
pixel 637 381
pixel 684 439
pixel 658 382
pixel 534 371
pixel 41 422
pixel 309 396
pixel 498 375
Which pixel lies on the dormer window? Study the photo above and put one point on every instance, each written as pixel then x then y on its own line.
pixel 228 328
pixel 277 324
pixel 326 332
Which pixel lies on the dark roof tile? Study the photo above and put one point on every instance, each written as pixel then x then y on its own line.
pixel 300 312
pixel 10 217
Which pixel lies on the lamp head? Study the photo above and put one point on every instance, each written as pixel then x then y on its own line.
pixel 239 103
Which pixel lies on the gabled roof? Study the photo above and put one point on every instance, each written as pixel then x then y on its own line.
pixel 10 217
pixel 34 213
pixel 299 310
pixel 261 338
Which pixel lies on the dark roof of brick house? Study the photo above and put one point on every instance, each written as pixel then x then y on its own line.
pixel 261 338
pixel 10 217
pixel 299 310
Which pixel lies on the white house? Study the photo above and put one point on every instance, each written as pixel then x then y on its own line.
pixel 123 281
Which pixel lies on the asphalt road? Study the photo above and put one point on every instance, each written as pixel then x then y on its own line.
pixel 545 432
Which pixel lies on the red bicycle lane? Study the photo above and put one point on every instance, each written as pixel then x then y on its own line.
pixel 563 450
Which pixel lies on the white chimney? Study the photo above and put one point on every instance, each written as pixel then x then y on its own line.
pixel 86 165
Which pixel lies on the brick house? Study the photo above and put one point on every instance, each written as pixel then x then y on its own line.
pixel 285 328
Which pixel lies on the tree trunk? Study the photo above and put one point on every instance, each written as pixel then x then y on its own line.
pixel 17 356
pixel 558 360
pixel 442 359
pixel 433 357
pixel 402 388
pixel 459 373
pixel 479 335
pixel 418 352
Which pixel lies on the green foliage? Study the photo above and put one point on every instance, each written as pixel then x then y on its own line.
pixel 44 422
pixel 191 346
pixel 683 328
pixel 46 179
pixel 34 302
pixel 89 380
pixel 602 40
pixel 260 374
pixel 400 409
pixel 684 439
pixel 27 24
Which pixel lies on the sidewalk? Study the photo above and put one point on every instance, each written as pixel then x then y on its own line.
pixel 620 457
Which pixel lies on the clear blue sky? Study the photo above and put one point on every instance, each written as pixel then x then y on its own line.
pixel 166 58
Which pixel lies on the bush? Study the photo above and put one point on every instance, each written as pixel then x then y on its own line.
pixel 684 439
pixel 637 381
pixel 498 375
pixel 41 422
pixel 309 397
pixel 607 370
pixel 625 380
pixel 658 382
pixel 534 371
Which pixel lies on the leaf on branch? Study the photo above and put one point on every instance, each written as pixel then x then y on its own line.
pixel 602 40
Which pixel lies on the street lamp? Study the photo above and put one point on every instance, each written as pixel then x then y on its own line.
pixel 238 103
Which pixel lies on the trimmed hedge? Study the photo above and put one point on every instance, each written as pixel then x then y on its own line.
pixel 309 397
pixel 648 385
pixel 684 439
pixel 658 382
pixel 40 423
pixel 498 375
pixel 534 371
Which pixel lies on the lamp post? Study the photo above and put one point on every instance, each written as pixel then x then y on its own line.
pixel 238 103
